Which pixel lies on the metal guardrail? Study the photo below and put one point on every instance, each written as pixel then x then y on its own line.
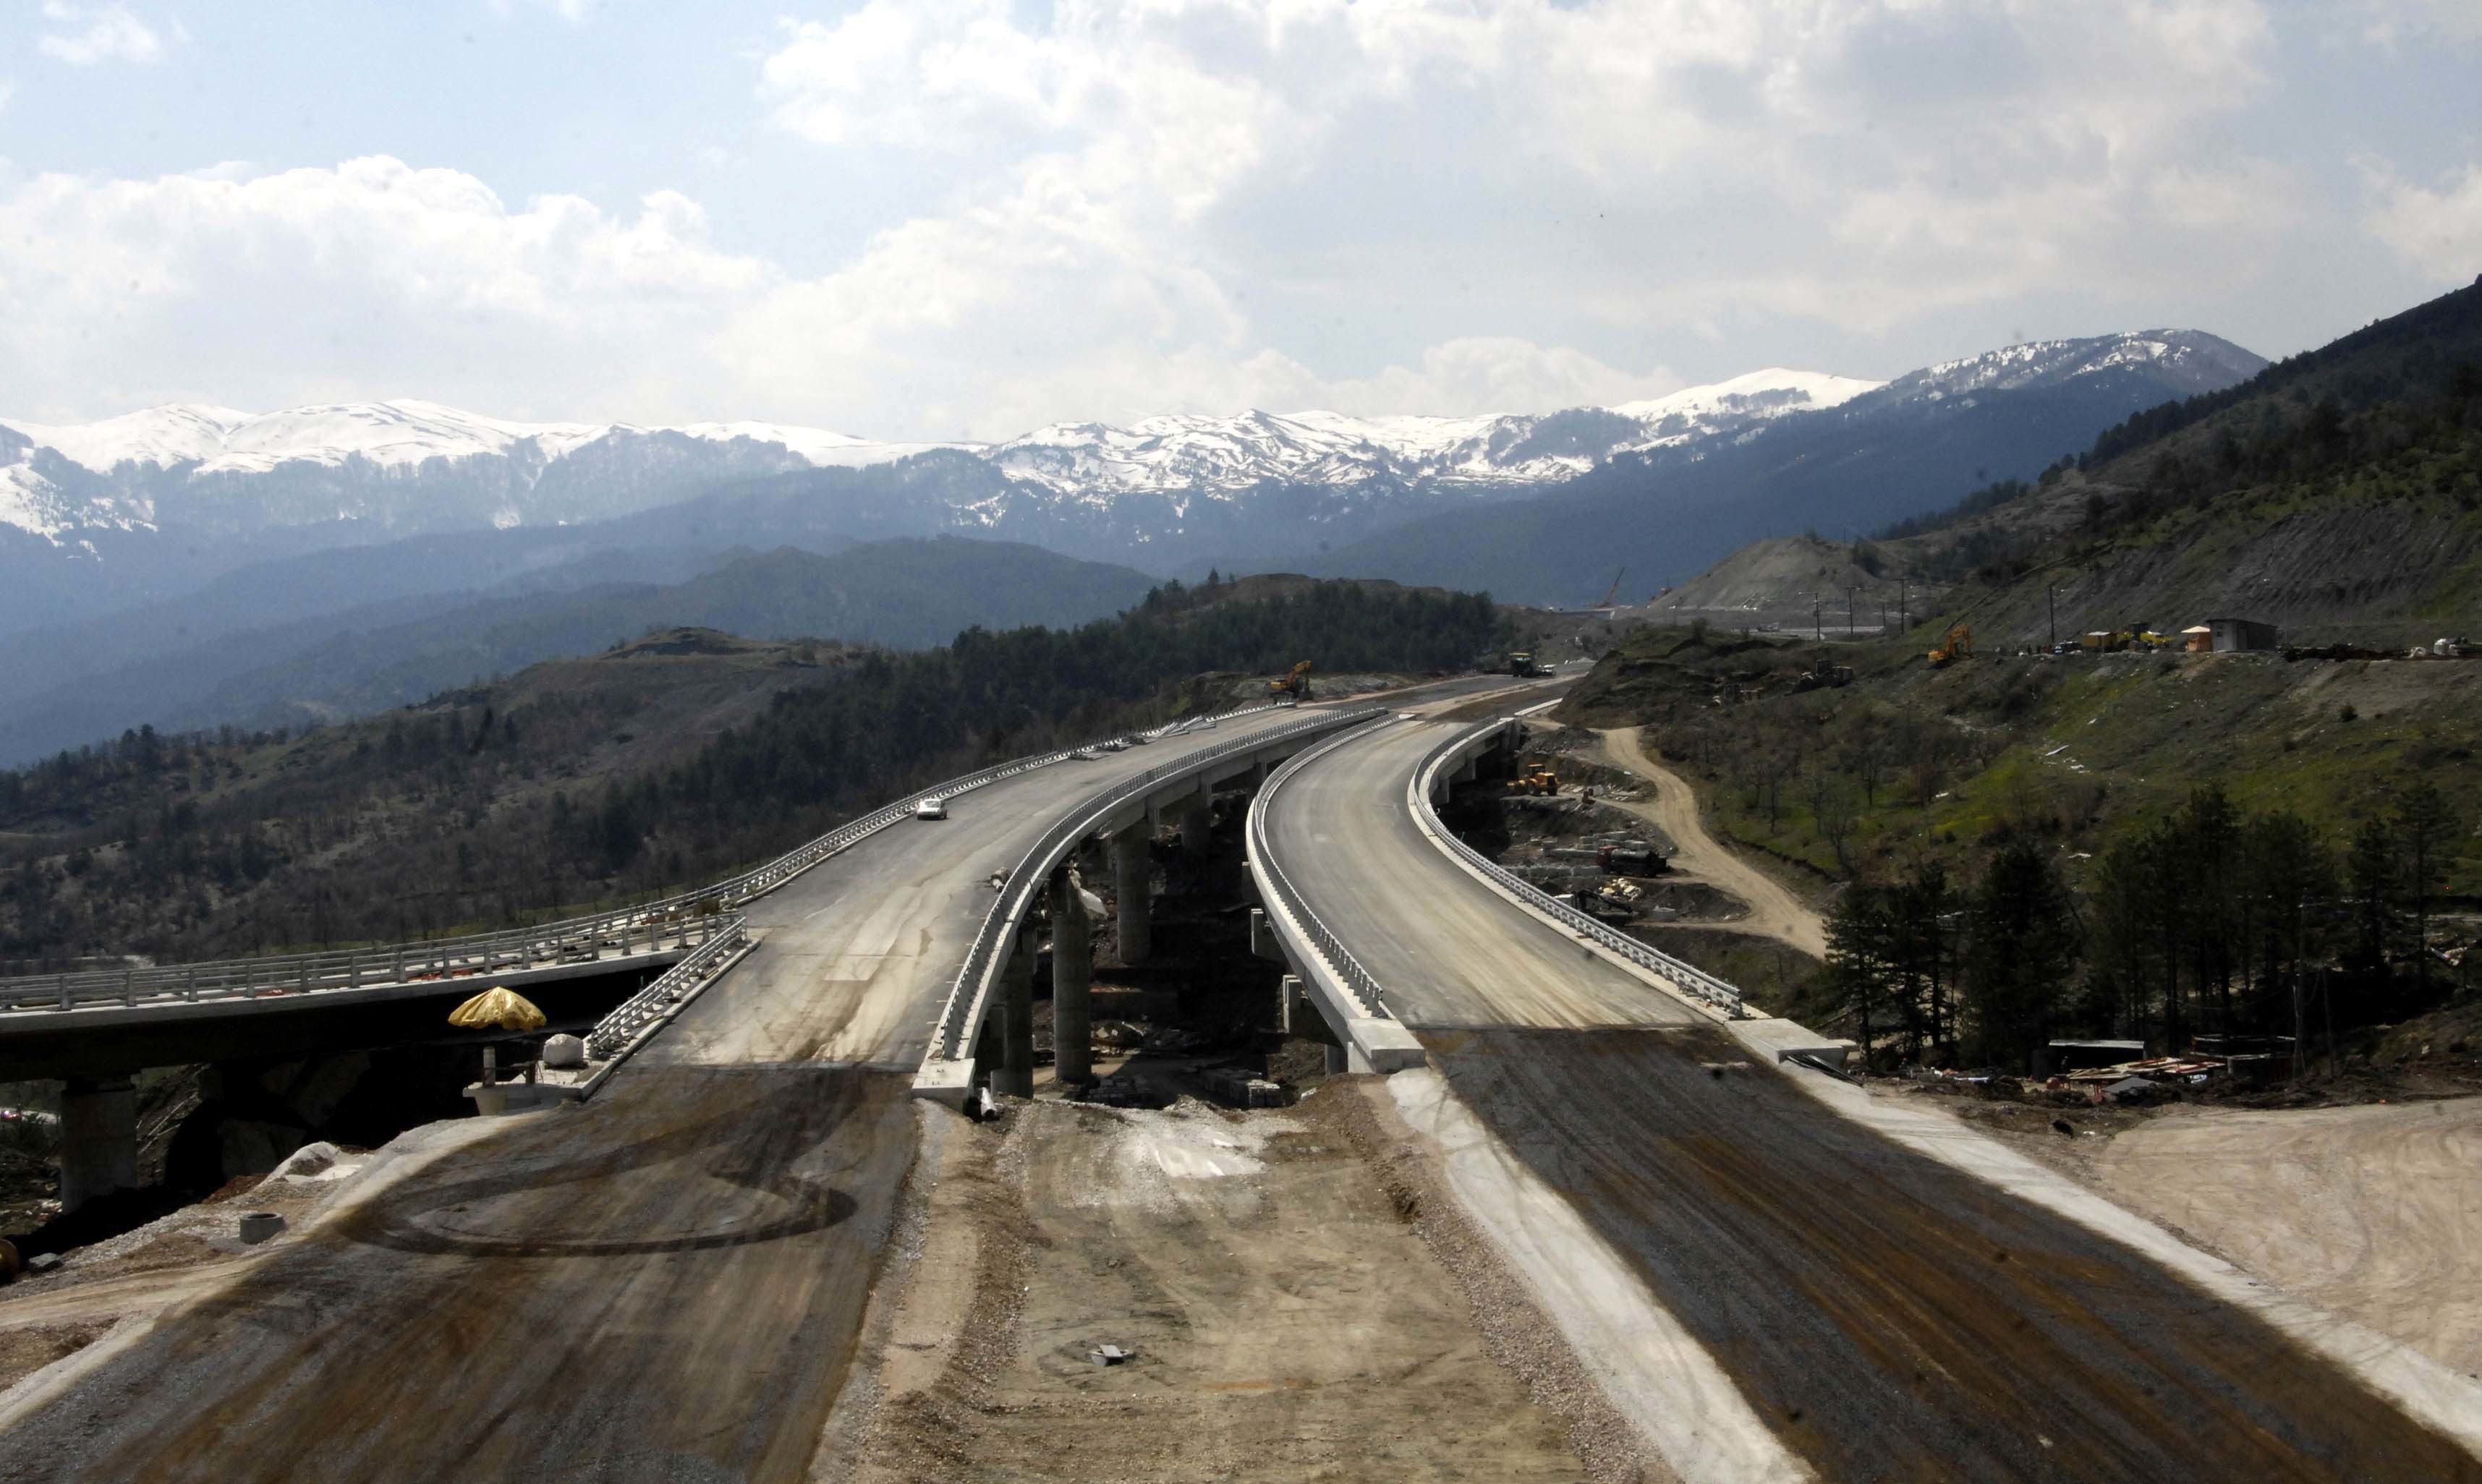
pixel 1348 970
pixel 969 995
pixel 1692 978
pixel 570 940
pixel 613 1033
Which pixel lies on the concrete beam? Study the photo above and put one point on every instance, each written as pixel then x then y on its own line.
pixel 99 1138
pixel 1073 981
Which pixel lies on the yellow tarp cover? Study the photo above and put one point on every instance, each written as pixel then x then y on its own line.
pixel 503 1008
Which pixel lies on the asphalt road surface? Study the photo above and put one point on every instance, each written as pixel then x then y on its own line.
pixel 1890 1317
pixel 1464 955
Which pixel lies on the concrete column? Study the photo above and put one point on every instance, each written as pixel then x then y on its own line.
pixel 1288 997
pixel 1335 1061
pixel 1013 1078
pixel 1073 977
pixel 1196 822
pixel 99 1138
pixel 1133 877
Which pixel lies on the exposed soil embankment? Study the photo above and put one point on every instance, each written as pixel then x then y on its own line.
pixel 1891 1317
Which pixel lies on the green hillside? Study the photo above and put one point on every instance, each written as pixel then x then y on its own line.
pixel 2217 831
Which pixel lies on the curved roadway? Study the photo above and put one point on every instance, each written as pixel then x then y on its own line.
pixel 1886 1316
pixel 666 1282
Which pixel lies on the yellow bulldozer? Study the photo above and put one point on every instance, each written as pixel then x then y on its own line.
pixel 1958 645
pixel 1296 685
pixel 1537 780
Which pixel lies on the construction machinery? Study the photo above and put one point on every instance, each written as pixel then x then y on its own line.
pixel 1296 685
pixel 1958 645
pixel 1615 589
pixel 1539 780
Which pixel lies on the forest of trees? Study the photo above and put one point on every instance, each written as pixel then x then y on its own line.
pixel 2211 922
pixel 469 811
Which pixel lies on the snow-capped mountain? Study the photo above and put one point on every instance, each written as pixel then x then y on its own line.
pixel 2182 362
pixel 1162 490
pixel 1095 461
pixel 401 466
pixel 410 466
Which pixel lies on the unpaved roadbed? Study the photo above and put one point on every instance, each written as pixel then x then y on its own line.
pixel 1287 1319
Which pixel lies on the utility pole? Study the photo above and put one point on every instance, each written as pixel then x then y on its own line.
pixel 1817 627
pixel 2052 595
pixel 1902 622
pixel 1848 613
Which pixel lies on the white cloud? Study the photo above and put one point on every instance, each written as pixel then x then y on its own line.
pixel 7 91
pixel 1118 207
pixel 2392 23
pixel 305 283
pixel 105 33
pixel 1119 178
pixel 2437 231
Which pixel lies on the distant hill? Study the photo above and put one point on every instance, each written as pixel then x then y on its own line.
pixel 906 593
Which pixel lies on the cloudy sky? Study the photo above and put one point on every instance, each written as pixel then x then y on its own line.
pixel 964 218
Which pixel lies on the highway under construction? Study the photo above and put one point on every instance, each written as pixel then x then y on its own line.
pixel 1592 1225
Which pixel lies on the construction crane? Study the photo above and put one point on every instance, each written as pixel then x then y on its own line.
pixel 1959 645
pixel 1616 588
pixel 1296 685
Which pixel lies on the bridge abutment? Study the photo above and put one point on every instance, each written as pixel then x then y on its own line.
pixel 99 1138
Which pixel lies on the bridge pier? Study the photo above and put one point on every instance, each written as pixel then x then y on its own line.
pixel 1196 820
pixel 1013 1078
pixel 99 1138
pixel 1133 879
pixel 1073 979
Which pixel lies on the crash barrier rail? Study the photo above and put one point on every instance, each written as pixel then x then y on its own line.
pixel 1348 970
pixel 1690 977
pixel 569 941
pixel 665 993
pixel 969 996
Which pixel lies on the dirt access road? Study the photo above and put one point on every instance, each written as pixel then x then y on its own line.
pixel 1775 912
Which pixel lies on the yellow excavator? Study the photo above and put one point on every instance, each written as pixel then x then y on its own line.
pixel 1296 685
pixel 1959 645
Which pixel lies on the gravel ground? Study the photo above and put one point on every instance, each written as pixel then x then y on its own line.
pixel 1276 1274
